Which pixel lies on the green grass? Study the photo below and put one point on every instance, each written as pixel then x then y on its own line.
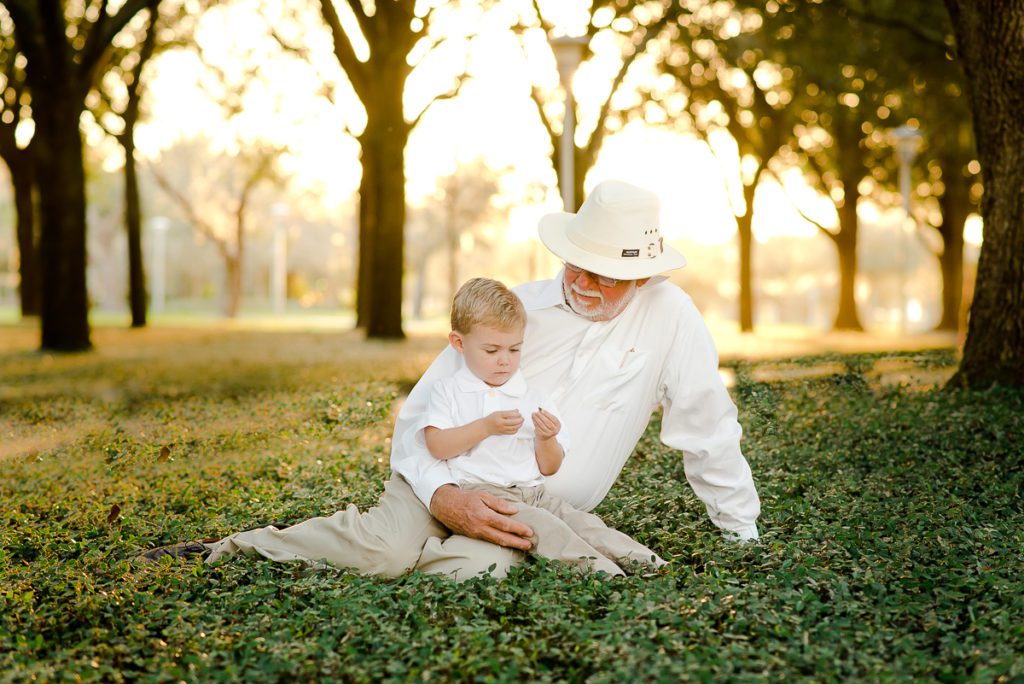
pixel 892 528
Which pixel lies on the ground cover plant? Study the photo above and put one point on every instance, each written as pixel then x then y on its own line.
pixel 891 548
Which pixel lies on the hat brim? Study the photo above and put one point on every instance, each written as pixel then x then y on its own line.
pixel 552 230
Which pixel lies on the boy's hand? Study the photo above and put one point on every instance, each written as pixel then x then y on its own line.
pixel 503 422
pixel 545 424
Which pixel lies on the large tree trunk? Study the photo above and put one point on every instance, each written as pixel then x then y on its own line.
pixel 25 200
pixel 133 224
pixel 991 47
pixel 383 190
pixel 846 245
pixel 367 231
pixel 58 140
pixel 955 206
pixel 745 233
pixel 847 135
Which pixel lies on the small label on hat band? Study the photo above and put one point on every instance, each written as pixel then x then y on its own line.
pixel 631 252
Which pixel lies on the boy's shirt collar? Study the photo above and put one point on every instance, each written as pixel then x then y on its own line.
pixel 513 387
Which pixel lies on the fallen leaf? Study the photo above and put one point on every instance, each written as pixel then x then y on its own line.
pixel 115 511
pixel 165 453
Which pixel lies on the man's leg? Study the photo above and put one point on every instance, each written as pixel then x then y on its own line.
pixel 461 558
pixel 609 541
pixel 385 540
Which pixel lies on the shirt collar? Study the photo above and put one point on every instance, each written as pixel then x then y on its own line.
pixel 467 382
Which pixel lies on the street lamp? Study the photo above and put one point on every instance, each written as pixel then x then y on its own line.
pixel 568 55
pixel 158 226
pixel 907 142
pixel 279 266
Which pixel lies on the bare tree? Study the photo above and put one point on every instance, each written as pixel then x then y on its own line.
pixel 462 202
pixel 215 194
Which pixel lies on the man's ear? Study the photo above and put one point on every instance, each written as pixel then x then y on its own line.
pixel 455 339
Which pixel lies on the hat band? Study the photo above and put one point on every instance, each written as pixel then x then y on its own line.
pixel 651 250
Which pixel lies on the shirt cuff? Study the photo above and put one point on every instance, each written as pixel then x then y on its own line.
pixel 742 534
pixel 429 483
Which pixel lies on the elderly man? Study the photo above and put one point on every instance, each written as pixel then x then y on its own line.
pixel 608 341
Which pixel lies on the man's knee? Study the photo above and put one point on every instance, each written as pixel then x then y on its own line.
pixel 461 558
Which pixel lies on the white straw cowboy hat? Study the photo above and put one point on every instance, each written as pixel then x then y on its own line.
pixel 616 233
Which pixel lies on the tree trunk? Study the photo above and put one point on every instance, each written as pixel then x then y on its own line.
pixel 58 140
pixel 745 232
pixel 383 143
pixel 367 231
pixel 133 224
pixel 25 201
pixel 846 245
pixel 955 206
pixel 847 134
pixel 232 284
pixel 991 48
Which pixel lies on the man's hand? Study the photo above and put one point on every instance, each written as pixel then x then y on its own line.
pixel 503 422
pixel 545 424
pixel 480 515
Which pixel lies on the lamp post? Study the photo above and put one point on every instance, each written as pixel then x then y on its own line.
pixel 907 142
pixel 279 264
pixel 568 55
pixel 158 226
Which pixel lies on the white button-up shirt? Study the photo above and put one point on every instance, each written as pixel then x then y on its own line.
pixel 503 460
pixel 607 377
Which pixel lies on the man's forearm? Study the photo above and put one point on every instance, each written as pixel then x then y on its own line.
pixel 449 443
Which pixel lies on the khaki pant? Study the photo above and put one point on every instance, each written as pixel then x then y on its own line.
pixel 399 534
pixel 561 532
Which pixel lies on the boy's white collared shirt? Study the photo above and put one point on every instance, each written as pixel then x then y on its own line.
pixel 503 460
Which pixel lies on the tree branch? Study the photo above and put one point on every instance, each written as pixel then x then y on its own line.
pixel 104 30
pixel 343 50
pixel 944 42
pixel 832 236
pixel 190 214
pixel 453 93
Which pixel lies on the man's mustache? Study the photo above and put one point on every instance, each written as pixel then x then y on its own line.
pixel 586 293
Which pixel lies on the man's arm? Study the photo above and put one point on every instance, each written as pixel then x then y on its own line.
pixel 700 419
pixel 477 514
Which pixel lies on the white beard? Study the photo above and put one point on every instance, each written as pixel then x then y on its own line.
pixel 602 310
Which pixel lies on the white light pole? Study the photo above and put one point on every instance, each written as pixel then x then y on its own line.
pixel 568 55
pixel 907 141
pixel 158 226
pixel 279 265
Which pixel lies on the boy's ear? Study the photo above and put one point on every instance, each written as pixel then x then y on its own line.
pixel 455 339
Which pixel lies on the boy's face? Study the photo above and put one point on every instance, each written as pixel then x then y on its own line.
pixel 491 354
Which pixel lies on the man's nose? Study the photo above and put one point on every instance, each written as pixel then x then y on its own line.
pixel 587 278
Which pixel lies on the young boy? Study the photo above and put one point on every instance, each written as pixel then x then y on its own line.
pixel 475 422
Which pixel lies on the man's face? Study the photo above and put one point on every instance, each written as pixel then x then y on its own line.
pixel 491 354
pixel 596 298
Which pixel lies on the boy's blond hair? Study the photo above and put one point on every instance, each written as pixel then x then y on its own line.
pixel 482 301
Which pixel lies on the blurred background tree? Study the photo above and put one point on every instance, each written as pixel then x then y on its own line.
pixel 772 119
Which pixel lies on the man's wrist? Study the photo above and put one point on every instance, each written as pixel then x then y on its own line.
pixel 441 491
